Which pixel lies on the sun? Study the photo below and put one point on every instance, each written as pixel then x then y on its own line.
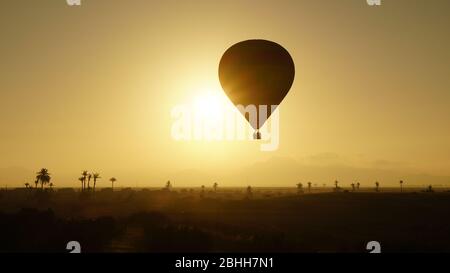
pixel 208 115
pixel 210 105
pixel 207 105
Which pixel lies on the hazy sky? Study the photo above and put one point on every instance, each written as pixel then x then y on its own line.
pixel 92 87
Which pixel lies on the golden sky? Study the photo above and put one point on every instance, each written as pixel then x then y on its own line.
pixel 92 87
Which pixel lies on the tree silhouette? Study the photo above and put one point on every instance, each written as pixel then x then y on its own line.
pixel 36 182
pixel 27 185
pixel 299 188
pixel 202 193
pixel 168 186
pixel 89 177
pixel 96 176
pixel 401 185
pixel 377 186
pixel 215 186
pixel 353 186
pixel 357 186
pixel 336 186
pixel 309 187
pixel 112 179
pixel 43 177
pixel 82 179
pixel 249 192
pixel 85 175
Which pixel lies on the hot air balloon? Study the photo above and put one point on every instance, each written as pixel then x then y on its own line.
pixel 259 73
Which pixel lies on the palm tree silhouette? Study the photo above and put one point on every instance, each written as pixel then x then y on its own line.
pixel 84 174
pixel 377 186
pixel 309 186
pixel 336 186
pixel 202 193
pixel 89 177
pixel 36 182
pixel 96 176
pixel 168 186
pixel 82 179
pixel 215 186
pixel 43 177
pixel 353 186
pixel 401 185
pixel 112 179
pixel 249 192
pixel 299 188
pixel 357 186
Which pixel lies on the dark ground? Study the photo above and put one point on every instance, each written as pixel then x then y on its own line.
pixel 182 221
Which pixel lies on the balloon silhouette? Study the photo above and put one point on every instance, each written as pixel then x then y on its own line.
pixel 259 73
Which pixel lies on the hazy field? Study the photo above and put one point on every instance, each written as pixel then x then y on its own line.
pixel 229 220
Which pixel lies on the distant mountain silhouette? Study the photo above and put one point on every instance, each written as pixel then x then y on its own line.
pixel 275 171
pixel 326 168
pixel 284 169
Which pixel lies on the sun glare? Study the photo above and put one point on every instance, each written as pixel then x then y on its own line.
pixel 210 106
pixel 207 105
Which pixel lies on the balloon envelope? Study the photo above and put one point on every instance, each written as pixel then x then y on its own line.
pixel 256 72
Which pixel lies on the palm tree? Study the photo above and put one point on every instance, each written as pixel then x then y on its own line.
pixel 202 193
pixel 357 186
pixel 45 180
pixel 82 179
pixel 336 186
pixel 353 186
pixel 51 185
pixel 112 179
pixel 43 177
pixel 36 182
pixel 168 186
pixel 215 186
pixel 401 185
pixel 27 185
pixel 299 188
pixel 96 176
pixel 84 174
pixel 309 186
pixel 249 192
pixel 377 186
pixel 89 177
